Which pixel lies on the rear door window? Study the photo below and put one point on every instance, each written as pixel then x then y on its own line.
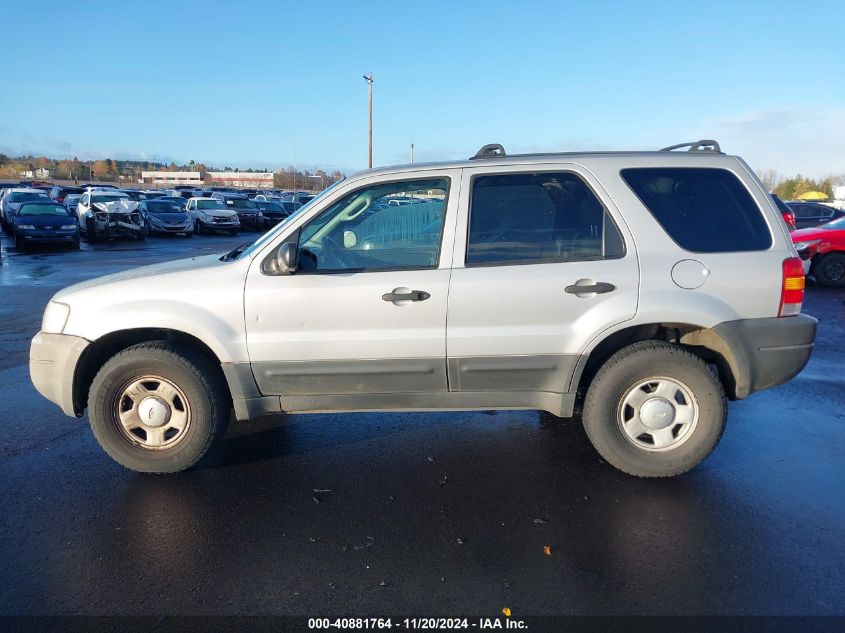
pixel 535 218
pixel 704 210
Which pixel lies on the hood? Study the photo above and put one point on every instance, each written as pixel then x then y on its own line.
pixel 170 216
pixel 47 220
pixel 176 266
pixel 218 213
pixel 116 206
pixel 814 233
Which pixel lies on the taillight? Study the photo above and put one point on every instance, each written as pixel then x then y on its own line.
pixel 792 293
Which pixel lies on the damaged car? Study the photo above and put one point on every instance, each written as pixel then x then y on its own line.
pixel 105 214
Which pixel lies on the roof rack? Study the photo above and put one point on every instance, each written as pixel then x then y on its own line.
pixel 491 150
pixel 705 145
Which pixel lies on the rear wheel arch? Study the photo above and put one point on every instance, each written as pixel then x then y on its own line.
pixel 101 350
pixel 704 342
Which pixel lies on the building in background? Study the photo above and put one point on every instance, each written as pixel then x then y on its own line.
pixel 251 179
pixel 254 180
pixel 40 173
pixel 172 178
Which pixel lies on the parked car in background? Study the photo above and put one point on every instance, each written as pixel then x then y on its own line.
pixel 71 201
pixel 162 216
pixel 809 214
pixel 44 222
pixel 182 202
pixel 105 214
pixel 822 251
pixel 13 199
pixel 248 213
pixel 59 193
pixel 787 213
pixel 134 194
pixel 154 194
pixel 275 212
pixel 271 212
pixel 212 214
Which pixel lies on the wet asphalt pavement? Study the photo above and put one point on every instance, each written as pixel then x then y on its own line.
pixel 424 514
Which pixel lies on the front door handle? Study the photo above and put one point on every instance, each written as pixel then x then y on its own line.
pixel 402 295
pixel 589 287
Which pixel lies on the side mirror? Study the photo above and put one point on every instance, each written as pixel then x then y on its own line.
pixel 286 258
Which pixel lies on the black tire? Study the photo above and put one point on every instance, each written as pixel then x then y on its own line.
pixel 233 232
pixel 141 235
pixel 20 244
pixel 91 230
pixel 206 395
pixel 631 366
pixel 830 270
pixel 75 244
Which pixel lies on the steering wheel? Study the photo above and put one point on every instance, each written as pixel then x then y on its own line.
pixel 329 256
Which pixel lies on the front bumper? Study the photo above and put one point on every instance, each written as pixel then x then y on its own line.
pixel 766 353
pixel 52 364
pixel 170 228
pixel 51 237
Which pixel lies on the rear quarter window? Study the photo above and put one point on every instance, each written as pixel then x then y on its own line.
pixel 703 210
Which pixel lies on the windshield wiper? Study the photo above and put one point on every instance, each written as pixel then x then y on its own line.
pixel 235 253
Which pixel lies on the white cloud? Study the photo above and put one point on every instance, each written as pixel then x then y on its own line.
pixel 810 142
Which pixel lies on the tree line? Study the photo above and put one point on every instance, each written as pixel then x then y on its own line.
pixel 111 170
pixel 791 188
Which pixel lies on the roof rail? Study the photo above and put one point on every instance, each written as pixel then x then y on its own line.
pixel 705 145
pixel 491 150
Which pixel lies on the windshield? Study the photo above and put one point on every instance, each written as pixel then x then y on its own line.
pixel 43 209
pixel 240 203
pixel 25 196
pixel 107 198
pixel 163 207
pixel 210 204
pixel 835 224
pixel 281 225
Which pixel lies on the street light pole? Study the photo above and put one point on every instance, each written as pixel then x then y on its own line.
pixel 369 80
pixel 412 152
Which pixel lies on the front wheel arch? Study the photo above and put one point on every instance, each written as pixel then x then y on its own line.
pixel 101 350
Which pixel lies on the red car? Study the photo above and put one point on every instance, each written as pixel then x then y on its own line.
pixel 822 250
pixel 787 213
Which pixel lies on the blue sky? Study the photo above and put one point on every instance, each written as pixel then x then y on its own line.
pixel 242 83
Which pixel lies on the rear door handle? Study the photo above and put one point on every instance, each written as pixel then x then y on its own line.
pixel 405 294
pixel 597 287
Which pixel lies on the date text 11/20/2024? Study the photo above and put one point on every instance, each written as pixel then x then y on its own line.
pixel 423 624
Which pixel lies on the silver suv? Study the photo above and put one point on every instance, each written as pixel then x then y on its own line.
pixel 645 288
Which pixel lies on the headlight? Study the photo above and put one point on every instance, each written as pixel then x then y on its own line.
pixel 55 317
pixel 800 246
pixel 68 227
pixel 26 227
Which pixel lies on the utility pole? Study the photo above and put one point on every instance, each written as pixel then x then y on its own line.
pixel 412 152
pixel 369 80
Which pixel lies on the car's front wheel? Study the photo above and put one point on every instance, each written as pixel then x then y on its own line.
pixel 157 409
pixel 830 270
pixel 654 410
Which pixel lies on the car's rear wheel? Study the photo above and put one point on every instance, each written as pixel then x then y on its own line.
pixel 154 408
pixel 654 410
pixel 830 270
